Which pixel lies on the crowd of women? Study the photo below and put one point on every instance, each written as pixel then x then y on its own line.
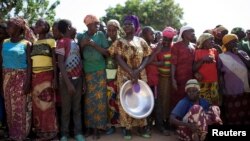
pixel 67 82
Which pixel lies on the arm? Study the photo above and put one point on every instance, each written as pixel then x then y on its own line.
pixel 136 72
pixel 90 42
pixel 197 65
pixel 174 82
pixel 70 87
pixel 54 60
pixel 103 51
pixel 124 65
pixel 143 64
pixel 175 121
pixel 154 53
pixel 27 83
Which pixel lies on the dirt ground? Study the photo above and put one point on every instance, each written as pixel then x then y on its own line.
pixel 117 136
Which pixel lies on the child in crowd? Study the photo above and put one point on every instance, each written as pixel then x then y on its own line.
pixel 70 65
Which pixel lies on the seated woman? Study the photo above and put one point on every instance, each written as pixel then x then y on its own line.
pixel 193 114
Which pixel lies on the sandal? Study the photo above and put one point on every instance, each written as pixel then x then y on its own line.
pixel 110 131
pixel 143 133
pixel 127 135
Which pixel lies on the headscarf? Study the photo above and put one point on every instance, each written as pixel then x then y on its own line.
pixel 237 30
pixel 227 38
pixel 135 20
pixel 89 19
pixel 184 28
pixel 21 23
pixel 203 38
pixel 113 22
pixel 208 31
pixel 169 32
pixel 219 29
pixel 192 83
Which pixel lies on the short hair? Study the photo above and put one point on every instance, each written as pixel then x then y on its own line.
pixel 146 29
pixel 63 25
pixel 47 26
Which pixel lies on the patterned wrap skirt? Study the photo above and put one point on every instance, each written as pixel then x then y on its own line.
pixel 43 105
pixel 209 91
pixel 196 115
pixel 113 109
pixel 18 105
pixel 95 100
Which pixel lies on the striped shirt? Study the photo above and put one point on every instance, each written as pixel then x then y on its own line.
pixel 166 57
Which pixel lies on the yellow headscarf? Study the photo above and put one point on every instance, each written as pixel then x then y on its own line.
pixel 203 38
pixel 226 39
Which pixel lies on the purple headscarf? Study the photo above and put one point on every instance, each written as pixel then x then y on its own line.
pixel 135 20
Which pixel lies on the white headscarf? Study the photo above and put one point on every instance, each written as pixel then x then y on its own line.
pixel 114 22
pixel 192 83
pixel 184 28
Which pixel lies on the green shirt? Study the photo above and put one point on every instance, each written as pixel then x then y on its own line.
pixel 245 46
pixel 92 59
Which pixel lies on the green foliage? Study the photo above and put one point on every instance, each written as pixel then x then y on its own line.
pixel 155 13
pixel 29 9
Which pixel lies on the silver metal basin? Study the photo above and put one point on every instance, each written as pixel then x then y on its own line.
pixel 137 100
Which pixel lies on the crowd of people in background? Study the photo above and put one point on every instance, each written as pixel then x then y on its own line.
pixel 59 83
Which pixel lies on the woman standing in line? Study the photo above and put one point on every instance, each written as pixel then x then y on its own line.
pixel 235 84
pixel 164 86
pixel 44 83
pixel 16 64
pixel 113 33
pixel 205 68
pixel 131 53
pixel 94 45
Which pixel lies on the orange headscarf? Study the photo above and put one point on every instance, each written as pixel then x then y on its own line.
pixel 89 19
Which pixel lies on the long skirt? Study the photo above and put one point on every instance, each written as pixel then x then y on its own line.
pixel 18 105
pixel 43 105
pixel 196 115
pixel 113 109
pixel 209 91
pixel 164 94
pixel 95 101
pixel 237 109
pixel 127 121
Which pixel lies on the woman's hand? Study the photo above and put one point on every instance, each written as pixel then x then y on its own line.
pixel 92 43
pixel 198 76
pixel 208 59
pixel 134 75
pixel 85 42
